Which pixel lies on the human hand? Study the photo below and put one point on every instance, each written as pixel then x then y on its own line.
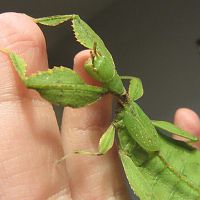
pixel 30 140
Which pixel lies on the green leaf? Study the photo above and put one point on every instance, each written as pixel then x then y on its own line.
pixel 107 140
pixel 135 89
pixel 171 128
pixel 63 86
pixel 137 181
pixel 53 20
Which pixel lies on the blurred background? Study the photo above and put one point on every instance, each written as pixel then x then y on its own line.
pixel 154 40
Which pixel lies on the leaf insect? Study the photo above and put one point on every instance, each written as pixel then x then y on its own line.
pixel 145 153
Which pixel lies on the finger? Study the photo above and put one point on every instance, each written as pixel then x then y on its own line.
pixel 187 120
pixel 29 139
pixel 90 177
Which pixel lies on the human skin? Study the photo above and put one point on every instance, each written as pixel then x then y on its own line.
pixel 30 139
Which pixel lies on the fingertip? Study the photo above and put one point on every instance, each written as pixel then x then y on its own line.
pixel 21 23
pixel 30 137
pixel 103 107
pixel 21 35
pixel 79 61
pixel 80 58
pixel 188 120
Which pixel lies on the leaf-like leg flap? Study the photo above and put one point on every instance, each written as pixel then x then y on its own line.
pixel 136 179
pixel 135 90
pixel 87 37
pixel 84 34
pixel 65 87
pixel 59 85
pixel 107 140
pixel 172 129
pixel 18 63
pixel 53 20
pixel 105 144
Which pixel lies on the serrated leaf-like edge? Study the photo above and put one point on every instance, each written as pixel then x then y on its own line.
pixel 46 20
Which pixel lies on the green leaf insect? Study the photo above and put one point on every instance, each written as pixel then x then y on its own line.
pixel 156 165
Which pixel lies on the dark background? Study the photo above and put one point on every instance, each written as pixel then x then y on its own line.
pixel 154 40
